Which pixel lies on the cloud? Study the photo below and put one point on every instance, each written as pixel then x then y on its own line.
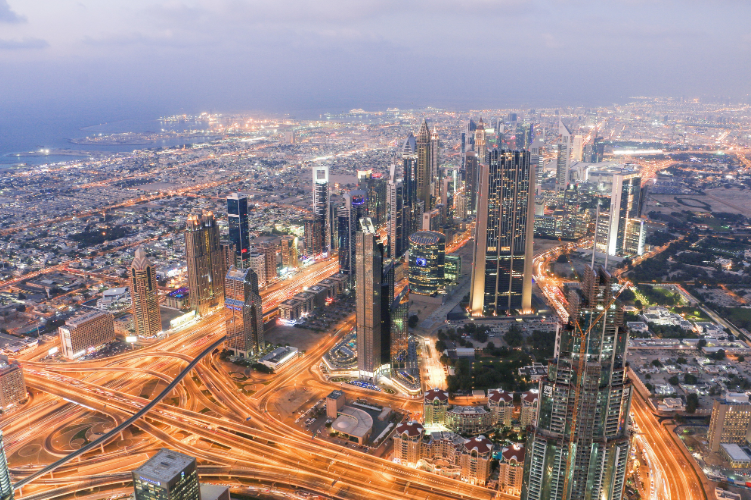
pixel 26 43
pixel 8 16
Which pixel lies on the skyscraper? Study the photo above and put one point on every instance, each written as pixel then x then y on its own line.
pixel 375 185
pixel 6 486
pixel 237 214
pixel 368 300
pixel 409 176
pixel 321 206
pixel 470 181
pixel 290 258
pixel 467 141
pixel 426 262
pixel 245 318
pixel 205 262
pixel 168 475
pixel 563 163
pixel 147 320
pixel 424 173
pixel 481 147
pixel 396 220
pixel 625 204
pixel 435 172
pixel 580 446
pixel 401 360
pixel 355 207
pixel 313 242
pixel 502 264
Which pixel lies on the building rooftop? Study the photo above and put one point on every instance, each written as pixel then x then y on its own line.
pixel 479 443
pixel 498 395
pixel 468 410
pixel 410 428
pixel 165 465
pixel 434 394
pixel 83 318
pixel 735 452
pixel 335 395
pixel 514 453
pixel 353 422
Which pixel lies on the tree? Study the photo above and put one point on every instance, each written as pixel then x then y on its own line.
pixel 690 378
pixel 656 363
pixel 440 346
pixel 719 355
pixel 21 308
pixel 562 259
pixel 412 321
pixel 741 358
pixel 673 380
pixel 692 403
pixel 681 360
pixel 514 336
pixel 701 343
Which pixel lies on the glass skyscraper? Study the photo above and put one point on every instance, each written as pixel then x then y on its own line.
pixel 322 207
pixel 6 486
pixel 427 256
pixel 245 314
pixel 237 214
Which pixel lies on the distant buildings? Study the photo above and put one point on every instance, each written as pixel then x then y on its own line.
pixel 502 264
pixel 730 422
pixel 168 475
pixel 427 262
pixel 6 485
pixel 376 187
pixel 147 320
pixel 245 314
pixel 563 162
pixel 398 220
pixel 237 213
pixel 205 263
pixel 86 332
pixel 12 386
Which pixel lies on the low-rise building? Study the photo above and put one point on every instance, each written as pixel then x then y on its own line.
pixel 736 457
pixel 469 419
pixel 334 403
pixel 279 357
pixel 354 423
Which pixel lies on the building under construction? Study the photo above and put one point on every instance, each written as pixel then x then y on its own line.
pixel 579 447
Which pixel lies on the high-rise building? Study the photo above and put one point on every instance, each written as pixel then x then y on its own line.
pixel 237 213
pixel 205 263
pixel 229 255
pixel 313 243
pixel 424 173
pixel 563 163
pixel 355 208
pixel 435 172
pixel 375 187
pixel 435 404
pixel 12 385
pixel 245 312
pixel 426 262
pixel 467 142
pixel 502 264
pixel 511 470
pixel 577 148
pixel 730 422
pixel 475 459
pixel 168 475
pixel 402 359
pixel 6 485
pixel 470 181
pixel 257 262
pixel 580 445
pixel 452 270
pixel 625 204
pixel 397 215
pixel 321 205
pixel 147 320
pixel 86 332
pixel 269 258
pixel 481 144
pixel 290 258
pixel 372 351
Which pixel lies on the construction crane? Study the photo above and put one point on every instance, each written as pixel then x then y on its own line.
pixel 583 338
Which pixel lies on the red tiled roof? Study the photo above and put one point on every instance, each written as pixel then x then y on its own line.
pixel 409 428
pixel 434 394
pixel 479 443
pixel 514 453
pixel 498 395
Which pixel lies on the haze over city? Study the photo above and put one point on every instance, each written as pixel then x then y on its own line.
pixel 375 250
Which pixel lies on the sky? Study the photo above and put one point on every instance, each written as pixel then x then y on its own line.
pixel 130 57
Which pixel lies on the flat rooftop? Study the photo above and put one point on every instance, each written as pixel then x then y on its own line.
pixel 165 465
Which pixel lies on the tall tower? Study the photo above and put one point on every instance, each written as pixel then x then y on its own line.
pixel 205 262
pixel 468 141
pixel 435 173
pixel 625 204
pixel 6 486
pixel 355 208
pixel 424 174
pixel 396 218
pixel 481 147
pixel 245 319
pixel 409 177
pixel 563 163
pixel 369 272
pixel 143 291
pixel 237 213
pixel 470 181
pixel 502 265
pixel 289 252
pixel 321 206
pixel 580 447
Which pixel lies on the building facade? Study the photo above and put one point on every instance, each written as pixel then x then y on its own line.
pixel 730 422
pixel 86 332
pixel 434 407
pixel 502 263
pixel 205 263
pixel 147 320
pixel 427 262
pixel 290 256
pixel 6 485
pixel 501 404
pixel 168 475
pixel 239 234
pixel 12 384
pixel 321 206
pixel 372 351
pixel 511 470
pixel 245 313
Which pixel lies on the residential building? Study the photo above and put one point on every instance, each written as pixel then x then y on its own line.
pixel 147 320
pixel 434 407
pixel 86 332
pixel 205 263
pixel 257 262
pixel 290 257
pixel 501 404
pixel 168 475
pixel 502 263
pixel 476 454
pixel 12 386
pixel 529 402
pixel 469 419
pixel 511 470
pixel 408 442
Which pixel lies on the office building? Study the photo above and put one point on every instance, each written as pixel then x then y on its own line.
pixel 86 332
pixel 269 260
pixel 12 384
pixel 452 269
pixel 239 235
pixel 427 256
pixel 147 320
pixel 6 485
pixel 376 189
pixel 322 206
pixel 290 256
pixel 229 257
pixel 577 148
pixel 461 205
pixel 481 145
pixel 425 164
pixel 625 204
pixel 563 162
pixel 257 262
pixel 589 397
pixel 355 208
pixel 312 231
pixel 467 142
pixel 244 313
pixel 205 263
pixel 730 421
pixel 511 470
pixel 396 220
pixel 435 172
pixel 502 261
pixel 470 181
pixel 635 237
pixel 373 346
pixel 403 360
pixel 168 475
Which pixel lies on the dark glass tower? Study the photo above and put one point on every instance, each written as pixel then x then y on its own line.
pixel 502 264
pixel 322 207
pixel 369 306
pixel 237 213
pixel 579 447
pixel 355 208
